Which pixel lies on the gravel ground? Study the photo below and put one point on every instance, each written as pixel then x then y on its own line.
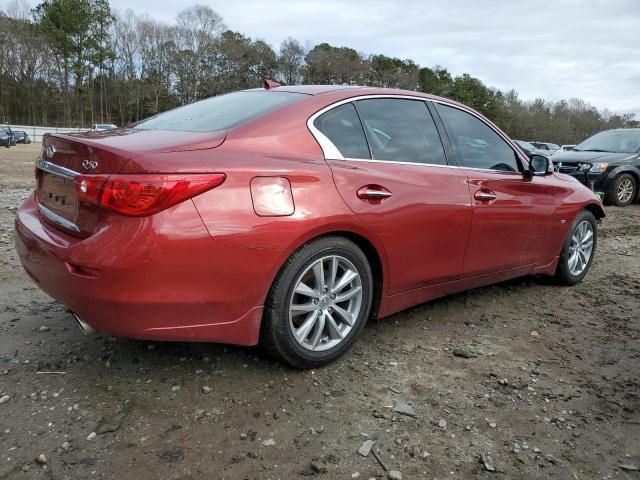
pixel 539 381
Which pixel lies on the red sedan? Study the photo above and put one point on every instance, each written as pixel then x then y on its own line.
pixel 289 216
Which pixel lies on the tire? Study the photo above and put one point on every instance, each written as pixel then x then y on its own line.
pixel 567 272
pixel 331 334
pixel 623 190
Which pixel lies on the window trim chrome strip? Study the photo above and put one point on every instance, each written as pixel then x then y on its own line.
pixel 417 164
pixel 49 167
pixel 331 152
pixel 57 219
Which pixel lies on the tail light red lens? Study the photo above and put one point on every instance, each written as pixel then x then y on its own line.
pixel 142 195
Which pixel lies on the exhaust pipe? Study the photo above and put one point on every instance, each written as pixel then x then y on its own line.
pixel 84 326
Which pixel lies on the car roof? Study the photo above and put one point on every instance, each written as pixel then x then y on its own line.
pixel 348 91
pixel 314 89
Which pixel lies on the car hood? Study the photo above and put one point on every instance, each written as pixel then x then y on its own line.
pixel 589 157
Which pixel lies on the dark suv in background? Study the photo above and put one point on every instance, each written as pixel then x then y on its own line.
pixel 21 137
pixel 6 136
pixel 610 161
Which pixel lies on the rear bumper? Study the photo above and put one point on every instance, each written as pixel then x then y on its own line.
pixel 160 278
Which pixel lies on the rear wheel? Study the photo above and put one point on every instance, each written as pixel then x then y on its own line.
pixel 318 304
pixel 577 252
pixel 622 190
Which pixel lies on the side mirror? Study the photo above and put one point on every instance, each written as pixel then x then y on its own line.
pixel 539 165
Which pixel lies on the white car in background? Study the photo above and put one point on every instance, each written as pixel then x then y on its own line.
pixel 548 148
pixel 99 127
pixel 565 148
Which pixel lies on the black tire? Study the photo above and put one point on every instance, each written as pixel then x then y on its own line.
pixel 276 334
pixel 612 196
pixel 563 273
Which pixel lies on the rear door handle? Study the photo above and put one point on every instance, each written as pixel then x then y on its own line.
pixel 373 192
pixel 484 195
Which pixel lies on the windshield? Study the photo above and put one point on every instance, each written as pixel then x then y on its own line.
pixel 221 112
pixel 617 141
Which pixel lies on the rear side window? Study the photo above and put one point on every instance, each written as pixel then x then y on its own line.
pixel 221 112
pixel 401 130
pixel 342 126
pixel 475 144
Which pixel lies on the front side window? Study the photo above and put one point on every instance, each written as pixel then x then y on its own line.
pixel 401 130
pixel 475 144
pixel 342 126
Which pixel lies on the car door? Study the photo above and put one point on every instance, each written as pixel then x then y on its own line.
pixel 512 213
pixel 390 167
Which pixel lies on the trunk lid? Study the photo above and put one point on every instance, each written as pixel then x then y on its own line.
pixel 112 149
pixel 64 157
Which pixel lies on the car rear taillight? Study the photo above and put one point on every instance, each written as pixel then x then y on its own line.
pixel 142 195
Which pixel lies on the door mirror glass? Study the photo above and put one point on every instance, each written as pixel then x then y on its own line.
pixel 539 165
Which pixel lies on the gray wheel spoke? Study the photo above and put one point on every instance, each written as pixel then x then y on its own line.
pixel 345 280
pixel 317 335
pixel 333 272
pixel 346 316
pixel 572 261
pixel 583 259
pixel 302 333
pixel 318 273
pixel 303 308
pixel 344 296
pixel 334 330
pixel 307 291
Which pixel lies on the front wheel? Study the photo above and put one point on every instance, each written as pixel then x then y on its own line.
pixel 578 249
pixel 622 190
pixel 318 304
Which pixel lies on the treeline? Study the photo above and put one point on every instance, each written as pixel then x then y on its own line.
pixel 75 63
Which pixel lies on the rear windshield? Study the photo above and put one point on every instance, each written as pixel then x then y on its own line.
pixel 221 112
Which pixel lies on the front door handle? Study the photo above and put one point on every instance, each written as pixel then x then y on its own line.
pixel 373 192
pixel 485 195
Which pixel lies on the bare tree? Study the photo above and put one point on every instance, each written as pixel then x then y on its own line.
pixel 198 28
pixel 290 62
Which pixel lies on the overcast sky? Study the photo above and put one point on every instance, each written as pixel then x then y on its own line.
pixel 551 49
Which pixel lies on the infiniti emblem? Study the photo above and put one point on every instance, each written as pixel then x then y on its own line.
pixel 51 151
pixel 89 164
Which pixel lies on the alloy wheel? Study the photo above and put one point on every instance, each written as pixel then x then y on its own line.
pixel 325 303
pixel 581 248
pixel 625 190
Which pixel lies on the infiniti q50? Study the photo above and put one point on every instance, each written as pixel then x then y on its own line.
pixel 289 216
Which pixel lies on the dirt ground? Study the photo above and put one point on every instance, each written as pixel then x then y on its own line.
pixel 551 388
